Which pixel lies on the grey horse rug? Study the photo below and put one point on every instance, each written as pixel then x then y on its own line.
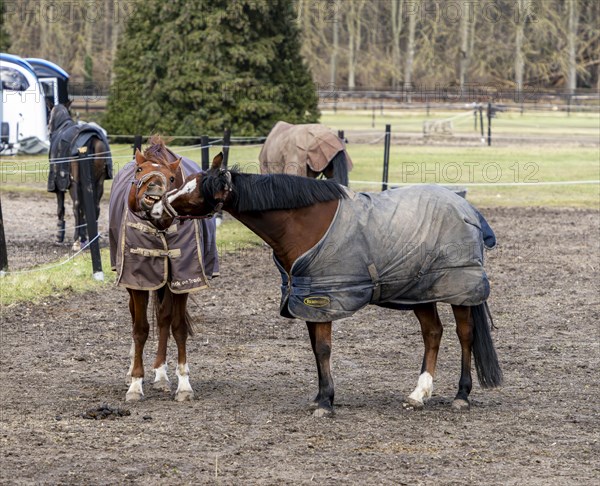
pixel 66 137
pixel 141 255
pixel 393 249
pixel 290 149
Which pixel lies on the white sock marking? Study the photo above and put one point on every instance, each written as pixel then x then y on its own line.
pixel 161 374
pixel 131 355
pixel 136 387
pixel 424 387
pixel 183 374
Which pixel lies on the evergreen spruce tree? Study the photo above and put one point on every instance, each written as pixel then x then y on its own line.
pixel 194 67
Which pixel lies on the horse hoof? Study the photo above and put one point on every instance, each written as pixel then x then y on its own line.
pixel 461 405
pixel 162 385
pixel 184 396
pixel 412 404
pixel 133 397
pixel 323 412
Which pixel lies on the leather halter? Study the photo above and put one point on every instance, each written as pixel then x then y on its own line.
pixel 170 210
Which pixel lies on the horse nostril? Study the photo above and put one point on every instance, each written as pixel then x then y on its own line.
pixel 153 185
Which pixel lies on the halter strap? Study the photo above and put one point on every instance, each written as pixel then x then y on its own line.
pixel 147 176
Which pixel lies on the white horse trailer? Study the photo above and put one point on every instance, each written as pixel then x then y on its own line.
pixel 23 116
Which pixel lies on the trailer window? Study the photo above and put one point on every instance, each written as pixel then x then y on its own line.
pixel 12 79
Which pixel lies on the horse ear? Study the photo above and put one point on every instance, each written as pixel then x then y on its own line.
pixel 217 161
pixel 49 104
pixel 68 104
pixel 139 158
pixel 175 165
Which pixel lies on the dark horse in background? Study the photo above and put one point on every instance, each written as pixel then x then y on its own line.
pixel 66 138
pixel 163 257
pixel 309 150
pixel 338 251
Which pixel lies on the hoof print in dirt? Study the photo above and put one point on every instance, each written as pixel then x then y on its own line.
pixel 461 405
pixel 411 404
pixel 323 412
pixel 105 412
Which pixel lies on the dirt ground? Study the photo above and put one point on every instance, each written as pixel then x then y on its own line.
pixel 253 373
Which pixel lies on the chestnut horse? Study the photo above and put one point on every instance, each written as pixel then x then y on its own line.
pixel 293 214
pixel 140 185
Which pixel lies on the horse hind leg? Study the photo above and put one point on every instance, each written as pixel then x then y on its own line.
pixel 162 309
pixel 464 330
pixel 181 328
pixel 320 340
pixel 432 330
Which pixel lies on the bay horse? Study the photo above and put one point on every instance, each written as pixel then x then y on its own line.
pixel 161 257
pixel 332 264
pixel 310 150
pixel 66 138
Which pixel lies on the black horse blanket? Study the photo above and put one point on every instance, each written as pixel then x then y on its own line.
pixel 142 256
pixel 66 137
pixel 394 249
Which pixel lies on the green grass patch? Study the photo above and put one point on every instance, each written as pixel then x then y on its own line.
pixel 43 281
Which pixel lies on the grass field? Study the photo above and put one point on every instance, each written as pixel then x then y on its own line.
pixel 494 176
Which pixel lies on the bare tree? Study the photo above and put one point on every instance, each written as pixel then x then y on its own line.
pixel 397 6
pixel 353 25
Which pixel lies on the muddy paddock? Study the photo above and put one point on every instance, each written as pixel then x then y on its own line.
pixel 253 374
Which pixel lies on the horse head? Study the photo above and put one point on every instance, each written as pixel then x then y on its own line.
pixel 156 174
pixel 201 195
pixel 59 115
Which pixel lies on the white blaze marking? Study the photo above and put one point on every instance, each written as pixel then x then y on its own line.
pixel 183 374
pixel 161 374
pixel 424 387
pixel 188 188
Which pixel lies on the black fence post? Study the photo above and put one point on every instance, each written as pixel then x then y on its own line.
pixel 226 143
pixel 137 143
pixel 373 117
pixel 489 117
pixel 3 251
pixel 481 121
pixel 475 117
pixel 386 157
pixel 204 150
pixel 89 207
pixel 341 135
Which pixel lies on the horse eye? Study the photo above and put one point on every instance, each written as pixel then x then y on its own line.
pixel 172 179
pixel 139 169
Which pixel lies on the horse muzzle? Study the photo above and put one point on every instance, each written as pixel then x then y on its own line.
pixel 149 199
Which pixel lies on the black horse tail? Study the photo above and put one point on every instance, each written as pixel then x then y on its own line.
pixel 340 168
pixel 486 359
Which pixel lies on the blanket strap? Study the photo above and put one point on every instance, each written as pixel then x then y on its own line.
pixel 156 253
pixel 375 279
pixel 151 230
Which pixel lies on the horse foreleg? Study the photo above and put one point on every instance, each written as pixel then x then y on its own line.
pixel 179 326
pixel 139 303
pixel 320 340
pixel 60 213
pixel 431 328
pixel 163 319
pixel 464 329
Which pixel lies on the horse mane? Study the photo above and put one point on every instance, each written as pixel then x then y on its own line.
pixel 157 150
pixel 253 192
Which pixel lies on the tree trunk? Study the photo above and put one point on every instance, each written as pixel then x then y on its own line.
pixel 463 55
pixel 334 50
pixel 573 21
pixel 519 38
pixel 396 31
pixel 410 53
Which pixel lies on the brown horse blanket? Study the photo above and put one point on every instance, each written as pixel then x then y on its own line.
pixel 394 249
pixel 290 149
pixel 142 256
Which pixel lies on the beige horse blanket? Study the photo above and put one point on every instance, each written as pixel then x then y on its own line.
pixel 290 149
